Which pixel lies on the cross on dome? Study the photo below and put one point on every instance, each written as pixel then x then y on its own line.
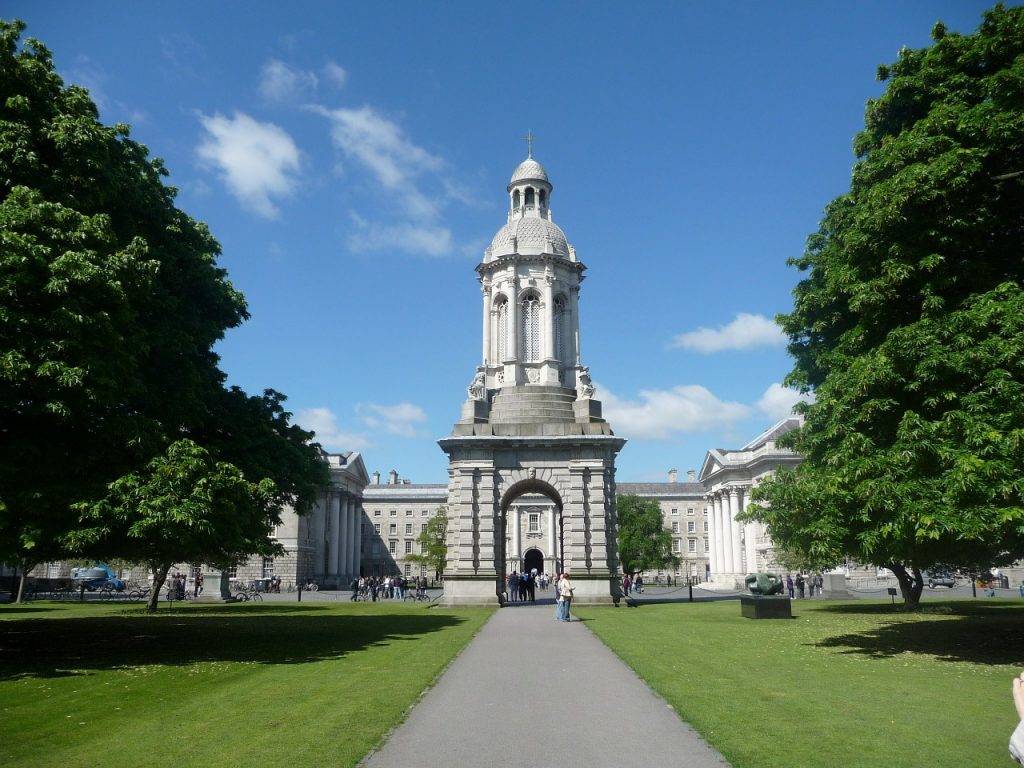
pixel 528 138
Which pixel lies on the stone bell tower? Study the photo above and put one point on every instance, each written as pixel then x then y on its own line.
pixel 531 425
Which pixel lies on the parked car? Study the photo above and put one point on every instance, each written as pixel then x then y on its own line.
pixel 941 579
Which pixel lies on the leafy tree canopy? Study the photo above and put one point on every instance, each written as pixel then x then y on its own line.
pixel 644 542
pixel 184 506
pixel 110 303
pixel 433 543
pixel 909 324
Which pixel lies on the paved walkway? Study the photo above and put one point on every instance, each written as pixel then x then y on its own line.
pixel 532 691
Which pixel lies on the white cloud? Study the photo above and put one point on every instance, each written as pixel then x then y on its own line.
pixel 777 402
pixel 423 239
pixel 659 414
pixel 745 332
pixel 336 74
pixel 280 83
pixel 257 161
pixel 400 419
pixel 328 434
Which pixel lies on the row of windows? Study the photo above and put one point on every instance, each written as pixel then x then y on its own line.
pixel 392 529
pixel 408 513
pixel 691 545
pixel 691 526
pixel 689 510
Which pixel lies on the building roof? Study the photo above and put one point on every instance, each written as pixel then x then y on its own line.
pixel 661 490
pixel 530 170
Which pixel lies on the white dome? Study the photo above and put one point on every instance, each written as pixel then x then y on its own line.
pixel 529 169
pixel 529 236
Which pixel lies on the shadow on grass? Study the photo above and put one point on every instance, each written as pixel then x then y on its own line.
pixel 980 633
pixel 274 634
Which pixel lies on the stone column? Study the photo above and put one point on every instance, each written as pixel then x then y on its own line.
pixel 516 522
pixel 574 301
pixel 721 551
pixel 512 342
pixel 547 350
pixel 734 530
pixel 709 515
pixel 749 533
pixel 357 535
pixel 552 555
pixel 334 532
pixel 485 289
pixel 342 536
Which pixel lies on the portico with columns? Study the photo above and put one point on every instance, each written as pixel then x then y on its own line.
pixel 739 548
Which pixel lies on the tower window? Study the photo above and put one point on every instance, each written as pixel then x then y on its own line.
pixel 515 200
pixel 543 200
pixel 529 198
pixel 502 329
pixel 531 329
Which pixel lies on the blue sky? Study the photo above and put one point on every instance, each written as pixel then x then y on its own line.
pixel 351 158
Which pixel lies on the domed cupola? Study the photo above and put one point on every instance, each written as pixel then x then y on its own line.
pixel 529 191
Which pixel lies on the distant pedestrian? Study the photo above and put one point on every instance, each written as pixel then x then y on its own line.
pixel 789 585
pixel 638 583
pixel 800 585
pixel 626 583
pixel 565 590
pixel 197 584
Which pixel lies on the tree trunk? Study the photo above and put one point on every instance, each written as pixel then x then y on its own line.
pixel 159 577
pixel 911 585
pixel 25 566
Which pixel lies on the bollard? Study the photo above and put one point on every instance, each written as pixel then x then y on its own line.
pixel 689 583
pixel 300 593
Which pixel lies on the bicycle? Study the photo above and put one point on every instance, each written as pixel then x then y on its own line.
pixel 249 593
pixel 416 596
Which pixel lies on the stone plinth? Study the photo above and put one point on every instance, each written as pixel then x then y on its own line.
pixel 216 586
pixel 766 607
pixel 834 586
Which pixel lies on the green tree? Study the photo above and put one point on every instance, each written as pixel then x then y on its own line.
pixel 110 303
pixel 909 326
pixel 184 506
pixel 644 541
pixel 433 543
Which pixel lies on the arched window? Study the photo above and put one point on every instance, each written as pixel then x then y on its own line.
pixel 560 329
pixel 515 200
pixel 530 347
pixel 502 328
pixel 529 197
pixel 543 201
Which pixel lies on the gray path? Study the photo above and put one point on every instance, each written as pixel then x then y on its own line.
pixel 535 692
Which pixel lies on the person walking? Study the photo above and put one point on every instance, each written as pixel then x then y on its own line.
pixel 625 585
pixel 197 584
pixel 789 585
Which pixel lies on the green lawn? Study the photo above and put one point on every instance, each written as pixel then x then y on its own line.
pixel 310 684
pixel 855 685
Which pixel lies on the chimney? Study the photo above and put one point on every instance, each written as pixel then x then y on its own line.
pixel 691 476
pixel 672 475
pixel 376 478
pixel 393 477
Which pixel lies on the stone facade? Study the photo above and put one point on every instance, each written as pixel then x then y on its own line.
pixel 530 426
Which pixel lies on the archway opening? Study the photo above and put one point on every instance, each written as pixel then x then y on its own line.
pixel 531 543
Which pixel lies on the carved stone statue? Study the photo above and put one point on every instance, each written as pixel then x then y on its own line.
pixel 764 583
pixel 584 390
pixel 477 388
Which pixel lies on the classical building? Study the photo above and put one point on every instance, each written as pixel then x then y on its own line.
pixel 683 513
pixel 728 476
pixel 531 426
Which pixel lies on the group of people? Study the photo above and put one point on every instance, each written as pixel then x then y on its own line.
pixel 804 586
pixel 520 587
pixel 387 587
pixel 630 583
pixel 178 583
